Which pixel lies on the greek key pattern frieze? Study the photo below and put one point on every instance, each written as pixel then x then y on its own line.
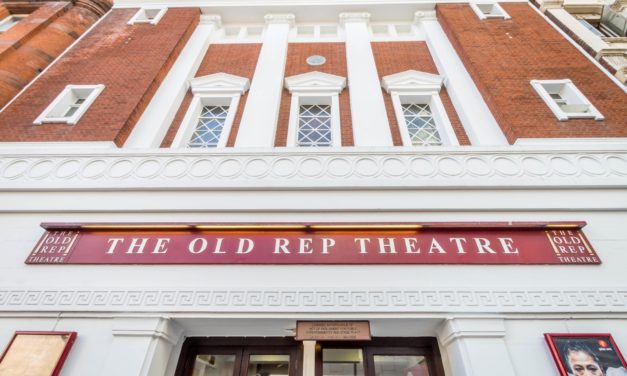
pixel 316 300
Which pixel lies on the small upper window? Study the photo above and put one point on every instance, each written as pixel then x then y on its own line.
pixel 565 100
pixel 210 127
pixel 9 21
pixel 421 125
pixel 148 15
pixel 486 10
pixel 420 113
pixel 315 109
pixel 209 118
pixel 314 125
pixel 70 105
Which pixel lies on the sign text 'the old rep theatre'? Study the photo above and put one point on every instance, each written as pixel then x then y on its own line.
pixel 437 243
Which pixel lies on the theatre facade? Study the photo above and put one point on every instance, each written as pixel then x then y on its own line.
pixel 317 188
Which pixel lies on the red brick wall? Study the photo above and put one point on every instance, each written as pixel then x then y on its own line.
pixel 236 59
pixel 297 54
pixel 502 56
pixel 396 57
pixel 130 60
pixel 29 46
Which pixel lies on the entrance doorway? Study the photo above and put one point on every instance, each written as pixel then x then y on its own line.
pixel 380 357
pixel 284 357
pixel 239 357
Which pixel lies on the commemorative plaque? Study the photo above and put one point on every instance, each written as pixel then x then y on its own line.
pixel 333 331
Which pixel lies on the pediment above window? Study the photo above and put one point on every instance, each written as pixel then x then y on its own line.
pixel 412 80
pixel 219 83
pixel 315 82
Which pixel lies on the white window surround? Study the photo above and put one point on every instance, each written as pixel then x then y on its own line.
pixel 315 88
pixel 487 9
pixel 422 88
pixel 150 15
pixel 56 112
pixel 218 89
pixel 577 106
pixel 11 20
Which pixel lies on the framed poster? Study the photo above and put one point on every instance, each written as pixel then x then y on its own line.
pixel 586 354
pixel 36 353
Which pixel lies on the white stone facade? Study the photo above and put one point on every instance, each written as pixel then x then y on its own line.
pixel 487 319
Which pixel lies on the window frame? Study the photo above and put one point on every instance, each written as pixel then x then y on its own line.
pixel 502 14
pixel 219 89
pixel 141 15
pixel 420 88
pixel 573 97
pixel 61 104
pixel 314 88
pixel 11 19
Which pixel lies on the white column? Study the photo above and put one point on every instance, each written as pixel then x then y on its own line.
pixel 309 358
pixel 475 347
pixel 258 125
pixel 158 115
pixel 370 121
pixel 141 346
pixel 479 123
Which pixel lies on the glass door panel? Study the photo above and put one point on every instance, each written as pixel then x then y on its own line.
pixel 342 362
pixel 400 365
pixel 214 365
pixel 269 365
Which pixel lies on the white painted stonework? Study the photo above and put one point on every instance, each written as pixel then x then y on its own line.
pixel 488 320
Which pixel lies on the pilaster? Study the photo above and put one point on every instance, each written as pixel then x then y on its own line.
pixel 258 125
pixel 475 346
pixel 141 346
pixel 370 122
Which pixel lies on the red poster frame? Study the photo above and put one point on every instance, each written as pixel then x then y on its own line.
pixel 549 337
pixel 64 354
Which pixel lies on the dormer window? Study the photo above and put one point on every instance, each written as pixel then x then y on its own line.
pixel 565 100
pixel 485 10
pixel 418 108
pixel 315 109
pixel 70 105
pixel 147 15
pixel 209 118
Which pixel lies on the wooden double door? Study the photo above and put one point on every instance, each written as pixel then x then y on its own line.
pixel 283 357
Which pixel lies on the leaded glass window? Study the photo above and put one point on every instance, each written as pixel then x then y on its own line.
pixel 209 127
pixel 314 125
pixel 421 125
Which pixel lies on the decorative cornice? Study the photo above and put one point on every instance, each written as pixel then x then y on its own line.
pixel 209 19
pixel 412 80
pixel 315 81
pixel 345 168
pixel 425 15
pixel 317 300
pixel 354 17
pixel 280 18
pixel 219 83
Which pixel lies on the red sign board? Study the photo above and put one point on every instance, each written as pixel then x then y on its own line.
pixel 441 243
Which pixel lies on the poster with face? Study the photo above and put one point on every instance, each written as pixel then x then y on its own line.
pixel 586 355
